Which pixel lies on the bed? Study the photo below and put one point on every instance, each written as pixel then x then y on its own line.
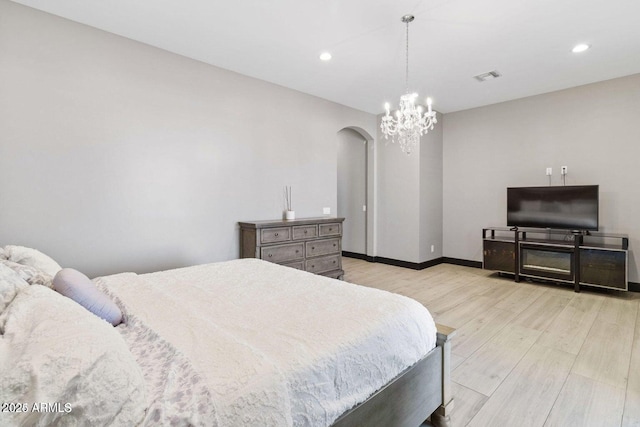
pixel 242 342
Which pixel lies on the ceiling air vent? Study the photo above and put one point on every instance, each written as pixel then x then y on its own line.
pixel 491 75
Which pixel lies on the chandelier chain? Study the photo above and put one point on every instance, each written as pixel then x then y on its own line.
pixel 406 77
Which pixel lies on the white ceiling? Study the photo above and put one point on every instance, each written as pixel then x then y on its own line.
pixel 528 41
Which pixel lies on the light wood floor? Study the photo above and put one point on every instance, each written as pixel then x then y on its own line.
pixel 527 354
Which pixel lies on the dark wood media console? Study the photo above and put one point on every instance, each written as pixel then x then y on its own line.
pixel 590 259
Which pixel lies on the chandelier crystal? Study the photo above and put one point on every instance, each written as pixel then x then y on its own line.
pixel 410 121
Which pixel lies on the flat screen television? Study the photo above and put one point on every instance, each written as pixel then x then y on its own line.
pixel 571 207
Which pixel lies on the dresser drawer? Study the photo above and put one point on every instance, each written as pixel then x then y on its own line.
pixel 298 265
pixel 322 264
pixel 323 247
pixel 305 232
pixel 275 235
pixel 332 229
pixel 282 253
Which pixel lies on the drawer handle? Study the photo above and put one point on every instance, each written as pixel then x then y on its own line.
pixel 313 266
pixel 313 248
pixel 334 245
pixel 276 234
pixel 305 231
pixel 270 255
pixel 331 229
pixel 334 261
pixel 297 250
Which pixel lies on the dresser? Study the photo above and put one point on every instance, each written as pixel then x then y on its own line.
pixel 309 244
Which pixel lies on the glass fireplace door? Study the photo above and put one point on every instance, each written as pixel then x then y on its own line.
pixel 554 263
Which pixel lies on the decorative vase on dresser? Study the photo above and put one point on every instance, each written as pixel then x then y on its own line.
pixel 310 244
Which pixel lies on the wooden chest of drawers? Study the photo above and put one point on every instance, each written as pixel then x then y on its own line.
pixel 310 244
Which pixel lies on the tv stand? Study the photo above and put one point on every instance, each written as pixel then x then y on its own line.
pixel 589 259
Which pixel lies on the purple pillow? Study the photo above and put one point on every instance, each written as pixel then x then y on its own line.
pixel 75 285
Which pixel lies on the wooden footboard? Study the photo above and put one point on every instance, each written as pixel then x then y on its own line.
pixel 421 391
pixel 441 417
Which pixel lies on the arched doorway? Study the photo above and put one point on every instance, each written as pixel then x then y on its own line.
pixel 353 189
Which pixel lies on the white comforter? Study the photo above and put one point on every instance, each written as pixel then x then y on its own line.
pixel 276 346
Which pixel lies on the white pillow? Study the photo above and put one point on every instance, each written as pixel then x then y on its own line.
pixel 10 284
pixel 75 285
pixel 55 351
pixel 33 258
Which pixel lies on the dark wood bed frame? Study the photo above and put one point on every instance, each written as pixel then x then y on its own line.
pixel 422 391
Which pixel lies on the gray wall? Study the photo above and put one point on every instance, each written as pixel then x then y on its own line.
pixel 117 156
pixel 398 209
pixel 409 209
pixel 431 193
pixel 352 189
pixel 591 129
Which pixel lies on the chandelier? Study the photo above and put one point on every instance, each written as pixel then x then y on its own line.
pixel 410 122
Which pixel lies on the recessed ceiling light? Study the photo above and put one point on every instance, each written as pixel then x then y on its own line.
pixel 580 48
pixel 325 56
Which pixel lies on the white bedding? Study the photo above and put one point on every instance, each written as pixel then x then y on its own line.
pixel 62 366
pixel 276 346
